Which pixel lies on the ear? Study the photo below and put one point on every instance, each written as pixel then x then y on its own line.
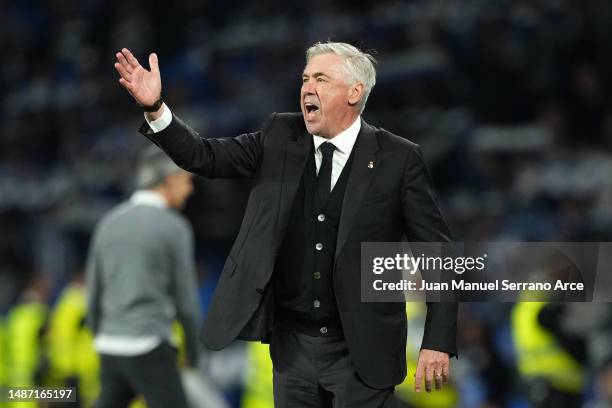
pixel 355 93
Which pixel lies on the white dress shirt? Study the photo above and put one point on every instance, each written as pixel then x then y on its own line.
pixel 343 142
pixel 162 122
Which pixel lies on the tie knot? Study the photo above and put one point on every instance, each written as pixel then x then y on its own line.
pixel 327 149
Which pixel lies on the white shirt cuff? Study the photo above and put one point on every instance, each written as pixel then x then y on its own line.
pixel 162 122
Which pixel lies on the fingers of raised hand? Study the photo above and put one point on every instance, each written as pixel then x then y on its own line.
pixel 123 62
pixel 127 85
pixel 125 74
pixel 153 63
pixel 130 58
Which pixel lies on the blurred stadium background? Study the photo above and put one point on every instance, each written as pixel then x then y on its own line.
pixel 509 99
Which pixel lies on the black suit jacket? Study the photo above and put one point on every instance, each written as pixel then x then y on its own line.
pixel 393 199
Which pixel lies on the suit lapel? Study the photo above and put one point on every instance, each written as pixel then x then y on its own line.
pixel 296 156
pixel 362 172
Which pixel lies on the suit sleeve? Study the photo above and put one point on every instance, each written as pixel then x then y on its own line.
pixel 227 157
pixel 423 222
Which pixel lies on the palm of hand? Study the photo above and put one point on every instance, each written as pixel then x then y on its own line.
pixel 143 85
pixel 147 86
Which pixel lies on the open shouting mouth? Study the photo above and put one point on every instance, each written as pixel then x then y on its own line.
pixel 311 109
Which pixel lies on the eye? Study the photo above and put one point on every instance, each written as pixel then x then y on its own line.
pixel 304 80
pixel 320 79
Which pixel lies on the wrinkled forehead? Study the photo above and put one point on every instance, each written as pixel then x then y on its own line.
pixel 331 65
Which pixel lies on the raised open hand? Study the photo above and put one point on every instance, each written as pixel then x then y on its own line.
pixel 143 85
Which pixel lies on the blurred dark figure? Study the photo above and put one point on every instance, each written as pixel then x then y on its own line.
pixel 550 359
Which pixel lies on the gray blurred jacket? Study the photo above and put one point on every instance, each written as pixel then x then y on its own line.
pixel 141 274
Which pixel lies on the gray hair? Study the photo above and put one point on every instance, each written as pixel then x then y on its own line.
pixel 153 167
pixel 359 64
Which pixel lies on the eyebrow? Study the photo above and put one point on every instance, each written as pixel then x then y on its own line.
pixel 315 75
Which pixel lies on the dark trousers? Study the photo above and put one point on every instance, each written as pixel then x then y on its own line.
pixel 316 372
pixel 154 375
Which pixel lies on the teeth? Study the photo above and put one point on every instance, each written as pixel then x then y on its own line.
pixel 311 107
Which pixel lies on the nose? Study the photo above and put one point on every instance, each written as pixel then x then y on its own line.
pixel 308 87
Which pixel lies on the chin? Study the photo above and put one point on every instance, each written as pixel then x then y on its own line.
pixel 312 128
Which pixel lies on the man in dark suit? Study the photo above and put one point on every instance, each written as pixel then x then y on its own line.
pixel 324 181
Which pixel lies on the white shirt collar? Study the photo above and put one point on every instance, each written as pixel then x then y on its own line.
pixel 148 197
pixel 344 141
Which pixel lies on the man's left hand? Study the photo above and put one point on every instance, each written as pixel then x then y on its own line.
pixel 434 367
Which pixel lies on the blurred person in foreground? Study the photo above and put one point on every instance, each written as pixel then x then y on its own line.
pixel 141 277
pixel 324 181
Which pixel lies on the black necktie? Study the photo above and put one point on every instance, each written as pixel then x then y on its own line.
pixel 325 171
